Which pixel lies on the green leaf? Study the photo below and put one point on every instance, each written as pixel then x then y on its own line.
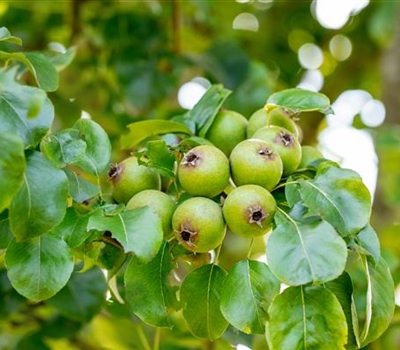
pixel 142 130
pixel 202 115
pixel 61 60
pixel 369 241
pixel 24 111
pixel 41 202
pixel 340 197
pixel 12 167
pixel 83 296
pixel 111 258
pixel 292 193
pixel 303 252
pixel 158 156
pixel 64 147
pixel 43 70
pixel 306 317
pixel 139 231
pixel 246 295
pixel 80 189
pixel 148 290
pixel 299 100
pixel 73 228
pixel 5 35
pixel 98 147
pixel 380 301
pixel 204 111
pixel 38 268
pixel 5 232
pixel 200 294
pixel 342 287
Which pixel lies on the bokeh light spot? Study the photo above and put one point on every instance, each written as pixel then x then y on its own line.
pixel 246 21
pixel 347 106
pixel 242 347
pixel 335 14
pixel 340 47
pixel 310 56
pixel 373 113
pixel 191 92
pixel 352 149
pixel 312 79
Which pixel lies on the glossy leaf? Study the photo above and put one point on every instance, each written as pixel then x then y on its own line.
pixel 299 100
pixel 380 301
pixel 205 110
pixel 158 156
pixel 340 197
pixel 62 60
pixel 64 147
pixel 43 70
pixel 139 231
pixel 200 294
pixel 148 290
pixel 247 292
pixel 24 111
pixel 142 130
pixel 303 252
pixel 73 228
pixel 83 296
pixel 5 35
pixel 98 147
pixel 38 268
pixel 292 193
pixel 12 167
pixel 41 202
pixel 80 189
pixel 202 115
pixel 342 287
pixel 306 317
pixel 369 241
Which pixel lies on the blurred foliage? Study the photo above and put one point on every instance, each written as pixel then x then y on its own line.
pixel 131 59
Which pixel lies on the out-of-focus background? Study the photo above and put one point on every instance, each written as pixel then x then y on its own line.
pixel 154 59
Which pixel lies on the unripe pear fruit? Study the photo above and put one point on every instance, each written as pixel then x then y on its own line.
pixel 284 143
pixel 308 155
pixel 249 211
pixel 276 116
pixel 198 224
pixel 254 162
pixel 159 202
pixel 128 178
pixel 227 130
pixel 204 171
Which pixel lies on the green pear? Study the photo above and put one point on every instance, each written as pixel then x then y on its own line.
pixel 308 155
pixel 198 224
pixel 276 116
pixel 204 171
pixel 254 162
pixel 284 143
pixel 159 202
pixel 249 211
pixel 227 130
pixel 128 178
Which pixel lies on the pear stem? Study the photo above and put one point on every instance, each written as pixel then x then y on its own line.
pixel 250 248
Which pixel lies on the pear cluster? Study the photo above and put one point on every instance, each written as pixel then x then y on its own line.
pixel 223 184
